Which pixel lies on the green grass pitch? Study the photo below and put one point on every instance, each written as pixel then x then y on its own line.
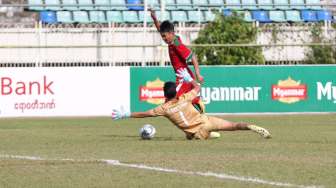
pixel 301 152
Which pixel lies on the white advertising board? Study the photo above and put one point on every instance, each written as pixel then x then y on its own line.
pixel 63 91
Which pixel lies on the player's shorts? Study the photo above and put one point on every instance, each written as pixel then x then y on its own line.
pixel 209 124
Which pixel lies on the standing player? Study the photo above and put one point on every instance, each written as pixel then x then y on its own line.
pixel 179 55
pixel 180 111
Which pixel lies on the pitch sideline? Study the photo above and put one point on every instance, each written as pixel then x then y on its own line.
pixel 167 170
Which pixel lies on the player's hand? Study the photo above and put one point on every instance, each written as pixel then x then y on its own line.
pixel 200 79
pixel 152 12
pixel 120 114
pixel 184 74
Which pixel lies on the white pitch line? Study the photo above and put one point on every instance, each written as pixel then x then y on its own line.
pixel 168 170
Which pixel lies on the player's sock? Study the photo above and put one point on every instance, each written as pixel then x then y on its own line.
pixel 198 104
pixel 263 132
pixel 214 134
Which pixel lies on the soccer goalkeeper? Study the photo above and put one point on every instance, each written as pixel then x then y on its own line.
pixel 180 111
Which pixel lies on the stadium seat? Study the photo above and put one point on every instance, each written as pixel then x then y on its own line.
pixel 195 16
pixel 265 4
pixel 32 5
pixel 118 5
pixel 97 16
pixel 314 4
pixel 246 15
pixel 227 12
pixel 64 17
pixel 199 3
pixel 71 3
pixel 165 17
pixel 154 4
pixel 82 4
pixel 53 4
pixel 103 4
pixel 184 4
pixel 293 16
pixel 233 4
pixel 297 4
pixel 141 17
pixel 48 17
pixel 324 15
pixel 130 16
pixel 81 17
pixel 249 4
pixel 134 5
pixel 179 16
pixel 260 16
pixel 114 17
pixel 170 5
pixel 218 3
pixel 209 16
pixel 277 16
pixel 281 4
pixel 308 16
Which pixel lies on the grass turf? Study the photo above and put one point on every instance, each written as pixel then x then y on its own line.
pixel 302 151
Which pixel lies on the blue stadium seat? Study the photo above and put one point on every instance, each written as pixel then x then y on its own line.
pixel 281 4
pixel 308 16
pixel 324 15
pixel 179 16
pixel 114 17
pixel 218 3
pixel 249 4
pixel 265 4
pixel 55 4
pixel 227 12
pixel 134 5
pixel 81 16
pixel 142 16
pixel 71 4
pixel 184 4
pixel 165 17
pixel 170 5
pixel 130 16
pixel 198 3
pixel 209 16
pixel 232 4
pixel 118 5
pixel 195 16
pixel 82 4
pixel 260 16
pixel 97 16
pixel 103 4
pixel 64 17
pixel 293 16
pixel 297 4
pixel 277 16
pixel 314 4
pixel 32 5
pixel 246 15
pixel 48 17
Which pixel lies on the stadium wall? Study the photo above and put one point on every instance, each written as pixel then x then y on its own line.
pixel 91 45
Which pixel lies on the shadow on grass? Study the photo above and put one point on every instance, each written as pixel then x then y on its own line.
pixel 133 137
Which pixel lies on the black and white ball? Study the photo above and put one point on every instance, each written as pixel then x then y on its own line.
pixel 147 132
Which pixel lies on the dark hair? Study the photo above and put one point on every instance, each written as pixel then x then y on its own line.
pixel 169 89
pixel 166 26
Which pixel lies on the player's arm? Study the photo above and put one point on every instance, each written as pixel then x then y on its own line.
pixel 121 114
pixel 148 113
pixel 197 70
pixel 155 20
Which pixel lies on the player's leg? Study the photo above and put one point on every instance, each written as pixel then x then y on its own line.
pixel 219 124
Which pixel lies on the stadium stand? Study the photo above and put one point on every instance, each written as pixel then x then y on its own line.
pixel 190 11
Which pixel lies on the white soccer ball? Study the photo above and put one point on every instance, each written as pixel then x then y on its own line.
pixel 147 132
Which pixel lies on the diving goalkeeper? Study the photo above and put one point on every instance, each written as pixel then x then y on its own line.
pixel 180 111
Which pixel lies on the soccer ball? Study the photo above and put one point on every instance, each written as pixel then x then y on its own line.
pixel 147 132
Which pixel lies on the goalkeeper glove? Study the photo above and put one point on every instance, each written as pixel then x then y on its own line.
pixel 184 74
pixel 120 114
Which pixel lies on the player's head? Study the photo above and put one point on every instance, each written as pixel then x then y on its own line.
pixel 169 90
pixel 167 31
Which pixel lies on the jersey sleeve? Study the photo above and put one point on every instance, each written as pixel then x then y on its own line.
pixel 158 111
pixel 190 95
pixel 182 50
